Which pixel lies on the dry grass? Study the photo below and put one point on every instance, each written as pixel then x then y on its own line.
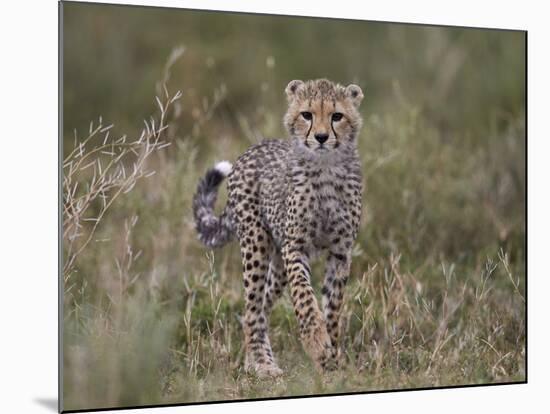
pixel 98 170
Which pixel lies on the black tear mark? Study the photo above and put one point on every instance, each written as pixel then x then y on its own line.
pixel 308 131
pixel 335 134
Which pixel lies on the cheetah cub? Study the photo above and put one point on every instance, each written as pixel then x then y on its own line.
pixel 289 201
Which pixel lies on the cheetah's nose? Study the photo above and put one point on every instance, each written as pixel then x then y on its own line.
pixel 321 138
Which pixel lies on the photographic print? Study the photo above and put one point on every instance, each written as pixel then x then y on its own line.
pixel 265 206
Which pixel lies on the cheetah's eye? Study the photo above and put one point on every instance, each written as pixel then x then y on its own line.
pixel 307 116
pixel 337 116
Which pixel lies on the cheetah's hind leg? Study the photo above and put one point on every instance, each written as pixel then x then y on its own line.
pixel 255 252
pixel 336 277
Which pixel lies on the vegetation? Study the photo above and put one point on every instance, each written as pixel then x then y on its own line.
pixel 437 294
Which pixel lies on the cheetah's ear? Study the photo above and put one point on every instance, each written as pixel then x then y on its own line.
pixel 355 94
pixel 292 88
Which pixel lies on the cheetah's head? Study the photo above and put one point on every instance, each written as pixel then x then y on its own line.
pixel 323 116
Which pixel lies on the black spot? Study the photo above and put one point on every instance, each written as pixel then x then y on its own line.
pixel 339 256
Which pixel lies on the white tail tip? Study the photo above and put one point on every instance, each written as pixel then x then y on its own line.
pixel 224 167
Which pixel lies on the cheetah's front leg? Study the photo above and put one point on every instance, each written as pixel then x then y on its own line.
pixel 313 330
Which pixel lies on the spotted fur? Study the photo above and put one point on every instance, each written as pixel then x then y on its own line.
pixel 289 201
pixel 213 231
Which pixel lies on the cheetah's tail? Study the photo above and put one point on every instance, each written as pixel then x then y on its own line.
pixel 213 231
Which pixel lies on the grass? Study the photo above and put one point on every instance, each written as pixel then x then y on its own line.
pixel 437 293
pixel 436 326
